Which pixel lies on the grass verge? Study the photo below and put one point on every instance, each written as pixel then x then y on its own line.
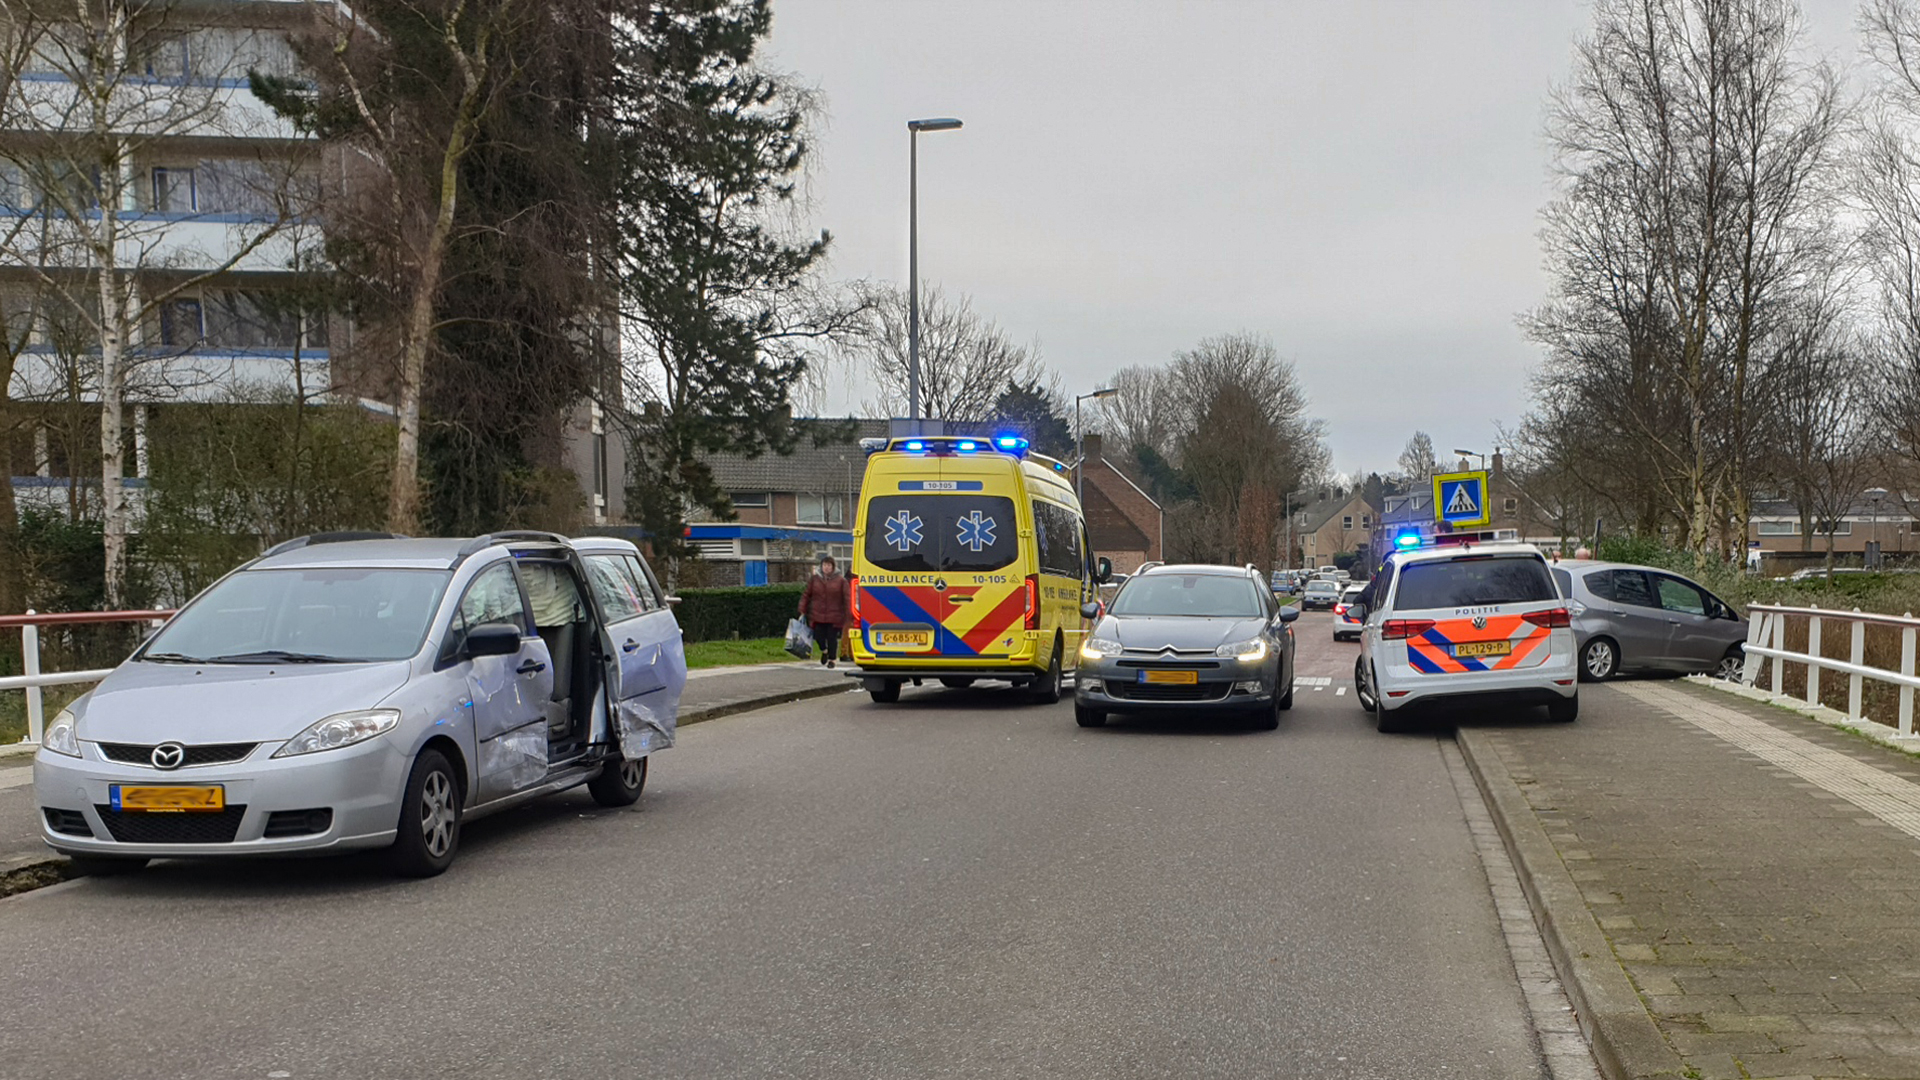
pixel 706 654
pixel 28 878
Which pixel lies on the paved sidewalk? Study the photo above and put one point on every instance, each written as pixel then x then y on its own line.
pixel 710 693
pixel 1755 874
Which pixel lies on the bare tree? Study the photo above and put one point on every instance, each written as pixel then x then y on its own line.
pixel 966 360
pixel 117 78
pixel 1418 461
pixel 1141 413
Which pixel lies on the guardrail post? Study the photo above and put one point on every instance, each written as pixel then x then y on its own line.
pixel 1906 668
pixel 1813 670
pixel 30 665
pixel 1780 644
pixel 1859 657
pixel 1756 635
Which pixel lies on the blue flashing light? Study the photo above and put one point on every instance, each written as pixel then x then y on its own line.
pixel 916 446
pixel 1407 540
pixel 968 446
pixel 1012 444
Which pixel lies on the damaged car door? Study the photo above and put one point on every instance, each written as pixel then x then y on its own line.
pixel 648 667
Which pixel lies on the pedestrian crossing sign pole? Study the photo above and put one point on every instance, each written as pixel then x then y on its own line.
pixel 1461 498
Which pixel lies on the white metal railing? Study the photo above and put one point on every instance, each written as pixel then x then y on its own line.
pixel 1767 644
pixel 34 678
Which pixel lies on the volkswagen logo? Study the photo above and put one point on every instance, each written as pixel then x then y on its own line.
pixel 169 755
pixel 1479 622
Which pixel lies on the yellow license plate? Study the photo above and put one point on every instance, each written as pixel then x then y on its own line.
pixel 1177 678
pixel 169 799
pixel 903 639
pixel 1483 648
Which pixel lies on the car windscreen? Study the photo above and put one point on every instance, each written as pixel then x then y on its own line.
pixel 1474 581
pixel 910 534
pixel 333 614
pixel 1200 595
pixel 1322 587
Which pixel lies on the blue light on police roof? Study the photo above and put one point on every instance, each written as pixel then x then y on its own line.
pixel 916 446
pixel 1409 540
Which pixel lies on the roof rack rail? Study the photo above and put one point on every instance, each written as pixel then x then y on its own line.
pixel 342 537
pixel 1146 566
pixel 487 540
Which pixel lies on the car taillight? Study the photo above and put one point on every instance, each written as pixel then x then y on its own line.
pixel 1404 628
pixel 1339 609
pixel 1550 618
pixel 1033 601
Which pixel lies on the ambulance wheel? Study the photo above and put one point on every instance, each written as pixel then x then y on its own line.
pixel 1046 689
pixel 619 783
pixel 885 694
pixel 1086 717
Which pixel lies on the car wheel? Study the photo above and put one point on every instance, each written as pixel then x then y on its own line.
pixel 1286 699
pixel 1732 666
pixel 1046 690
pixel 956 684
pixel 887 694
pixel 1564 710
pixel 1600 660
pixel 1086 717
pixel 1362 685
pixel 103 865
pixel 619 783
pixel 429 818
pixel 1267 718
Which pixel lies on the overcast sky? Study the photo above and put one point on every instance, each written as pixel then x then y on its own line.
pixel 1359 181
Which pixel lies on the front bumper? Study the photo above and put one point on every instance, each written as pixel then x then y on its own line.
pixel 361 785
pixel 1110 686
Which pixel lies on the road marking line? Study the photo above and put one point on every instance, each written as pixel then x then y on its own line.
pixel 1340 692
pixel 1317 682
pixel 1893 799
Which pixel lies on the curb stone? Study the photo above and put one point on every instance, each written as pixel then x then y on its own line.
pixel 783 697
pixel 1626 1043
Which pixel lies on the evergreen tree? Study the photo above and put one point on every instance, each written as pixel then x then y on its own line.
pixel 1030 408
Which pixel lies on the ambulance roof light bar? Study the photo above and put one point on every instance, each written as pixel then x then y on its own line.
pixel 948 445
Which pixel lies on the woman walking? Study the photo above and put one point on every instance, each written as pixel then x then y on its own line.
pixel 826 605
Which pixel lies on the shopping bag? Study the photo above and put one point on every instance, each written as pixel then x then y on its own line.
pixel 799 639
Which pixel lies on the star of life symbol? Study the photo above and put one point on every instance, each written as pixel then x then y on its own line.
pixel 903 531
pixel 976 532
pixel 1461 503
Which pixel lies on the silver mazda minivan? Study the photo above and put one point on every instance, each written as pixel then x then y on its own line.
pixel 356 690
pixel 1638 618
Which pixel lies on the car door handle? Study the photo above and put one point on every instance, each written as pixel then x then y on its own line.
pixel 630 645
pixel 530 667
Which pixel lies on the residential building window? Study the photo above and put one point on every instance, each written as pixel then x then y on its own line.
pixel 748 500
pixel 1510 505
pixel 173 191
pixel 753 549
pixel 820 510
pixel 182 325
pixel 1835 528
pixel 232 186
pixel 1366 521
pixel 1778 528
pixel 241 319
pixel 1346 522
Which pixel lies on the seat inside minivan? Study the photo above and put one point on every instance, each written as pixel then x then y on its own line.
pixel 564 621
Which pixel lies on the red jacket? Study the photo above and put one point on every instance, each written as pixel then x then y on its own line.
pixel 827 599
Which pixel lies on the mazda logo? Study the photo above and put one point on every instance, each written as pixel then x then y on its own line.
pixel 169 755
pixel 1479 622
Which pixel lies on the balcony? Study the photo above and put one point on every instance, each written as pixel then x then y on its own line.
pixel 201 374
pixel 189 243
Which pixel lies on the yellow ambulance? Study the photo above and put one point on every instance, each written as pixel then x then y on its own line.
pixel 970 562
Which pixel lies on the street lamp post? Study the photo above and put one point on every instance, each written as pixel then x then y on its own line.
pixel 1874 495
pixel 1080 443
pixel 1473 453
pixel 914 128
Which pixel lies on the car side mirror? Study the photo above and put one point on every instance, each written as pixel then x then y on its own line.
pixel 492 639
pixel 1090 610
pixel 1103 569
pixel 1288 614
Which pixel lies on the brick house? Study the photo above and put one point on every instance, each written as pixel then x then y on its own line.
pixel 788 510
pixel 1123 521
pixel 1335 526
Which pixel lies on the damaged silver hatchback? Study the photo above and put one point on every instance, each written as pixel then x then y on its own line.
pixel 354 690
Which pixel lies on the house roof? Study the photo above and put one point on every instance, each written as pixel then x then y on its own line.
pixel 1318 514
pixel 810 468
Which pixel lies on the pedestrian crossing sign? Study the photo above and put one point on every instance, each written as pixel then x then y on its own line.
pixel 1461 498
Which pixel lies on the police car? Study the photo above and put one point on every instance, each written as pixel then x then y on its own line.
pixel 1464 618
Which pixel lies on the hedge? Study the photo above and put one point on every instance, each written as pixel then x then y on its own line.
pixel 756 611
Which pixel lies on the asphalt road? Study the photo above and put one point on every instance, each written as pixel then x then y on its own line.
pixel 954 886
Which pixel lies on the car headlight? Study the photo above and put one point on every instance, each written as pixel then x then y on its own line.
pixel 1098 648
pixel 62 736
pixel 340 729
pixel 1252 651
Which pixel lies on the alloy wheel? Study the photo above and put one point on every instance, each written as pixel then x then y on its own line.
pixel 437 813
pixel 1600 661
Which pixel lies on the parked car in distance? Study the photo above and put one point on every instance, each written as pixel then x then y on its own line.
pixel 1638 618
pixel 1320 593
pixel 1182 640
pixel 355 690
pixel 1346 621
